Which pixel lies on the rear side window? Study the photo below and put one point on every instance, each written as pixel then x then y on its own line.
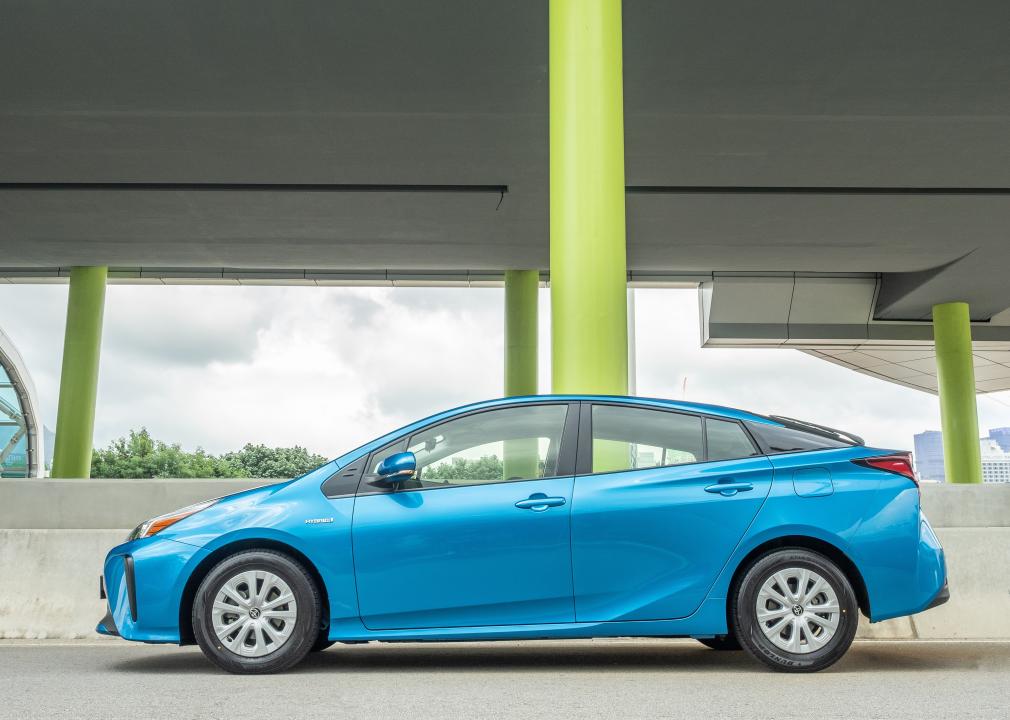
pixel 627 438
pixel 728 440
pixel 777 439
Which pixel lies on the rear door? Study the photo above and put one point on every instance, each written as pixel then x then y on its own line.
pixel 661 501
pixel 483 535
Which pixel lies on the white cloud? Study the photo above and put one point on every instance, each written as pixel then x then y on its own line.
pixel 329 368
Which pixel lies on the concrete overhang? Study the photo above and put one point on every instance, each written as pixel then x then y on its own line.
pixel 318 140
pixel 831 317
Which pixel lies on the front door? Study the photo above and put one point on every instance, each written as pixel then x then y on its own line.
pixel 482 535
pixel 665 500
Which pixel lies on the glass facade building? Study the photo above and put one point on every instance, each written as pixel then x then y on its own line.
pixel 21 436
pixel 929 455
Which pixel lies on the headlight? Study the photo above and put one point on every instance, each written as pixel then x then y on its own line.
pixel 156 525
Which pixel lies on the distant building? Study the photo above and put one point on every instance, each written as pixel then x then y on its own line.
pixel 1002 436
pixel 929 456
pixel 21 440
pixel 994 449
pixel 995 462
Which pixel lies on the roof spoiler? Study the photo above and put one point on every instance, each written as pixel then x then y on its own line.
pixel 822 430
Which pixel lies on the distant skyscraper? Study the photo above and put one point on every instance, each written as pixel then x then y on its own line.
pixel 1001 436
pixel 929 455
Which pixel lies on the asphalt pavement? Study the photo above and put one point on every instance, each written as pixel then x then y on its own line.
pixel 571 679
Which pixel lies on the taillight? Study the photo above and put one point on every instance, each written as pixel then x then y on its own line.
pixel 898 463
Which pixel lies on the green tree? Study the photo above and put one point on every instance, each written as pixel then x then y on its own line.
pixel 141 456
pixel 260 461
pixel 488 467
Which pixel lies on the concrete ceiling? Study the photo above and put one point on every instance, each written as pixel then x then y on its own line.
pixel 397 135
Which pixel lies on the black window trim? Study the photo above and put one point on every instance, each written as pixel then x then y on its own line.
pixel 584 460
pixel 353 471
pixel 566 453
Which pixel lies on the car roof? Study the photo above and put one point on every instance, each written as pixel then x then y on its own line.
pixel 662 403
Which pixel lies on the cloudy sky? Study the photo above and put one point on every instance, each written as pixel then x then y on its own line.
pixel 328 368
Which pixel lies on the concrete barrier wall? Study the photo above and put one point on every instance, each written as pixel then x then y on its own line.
pixel 103 504
pixel 51 582
pixel 52 546
pixel 54 535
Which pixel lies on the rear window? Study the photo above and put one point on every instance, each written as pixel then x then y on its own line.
pixel 778 439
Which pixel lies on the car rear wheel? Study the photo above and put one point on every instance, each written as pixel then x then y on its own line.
pixel 721 642
pixel 257 612
pixel 795 611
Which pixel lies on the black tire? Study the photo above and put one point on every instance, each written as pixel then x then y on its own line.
pixel 723 643
pixel 748 629
pixel 306 625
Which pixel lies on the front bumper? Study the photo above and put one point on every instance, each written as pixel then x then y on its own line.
pixel 144 581
pixel 107 625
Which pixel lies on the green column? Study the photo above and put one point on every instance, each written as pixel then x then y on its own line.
pixel 956 376
pixel 589 316
pixel 75 419
pixel 521 288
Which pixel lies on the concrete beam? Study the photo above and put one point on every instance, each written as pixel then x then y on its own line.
pixel 911 295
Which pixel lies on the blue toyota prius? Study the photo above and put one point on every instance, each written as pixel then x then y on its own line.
pixel 546 517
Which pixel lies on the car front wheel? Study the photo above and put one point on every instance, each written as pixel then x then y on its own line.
pixel 257 612
pixel 795 611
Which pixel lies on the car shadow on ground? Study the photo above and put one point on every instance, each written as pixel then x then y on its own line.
pixel 567 657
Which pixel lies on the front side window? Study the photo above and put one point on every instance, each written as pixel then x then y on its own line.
pixel 516 443
pixel 626 438
pixel 380 455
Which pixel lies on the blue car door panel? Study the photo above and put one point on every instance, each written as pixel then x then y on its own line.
pixel 495 554
pixel 648 544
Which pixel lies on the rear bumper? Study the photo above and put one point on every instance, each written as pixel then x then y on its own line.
pixel 931 567
pixel 912 577
pixel 941 597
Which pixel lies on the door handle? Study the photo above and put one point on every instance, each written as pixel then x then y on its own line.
pixel 538 502
pixel 729 489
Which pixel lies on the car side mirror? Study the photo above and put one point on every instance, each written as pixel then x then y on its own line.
pixel 396 468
